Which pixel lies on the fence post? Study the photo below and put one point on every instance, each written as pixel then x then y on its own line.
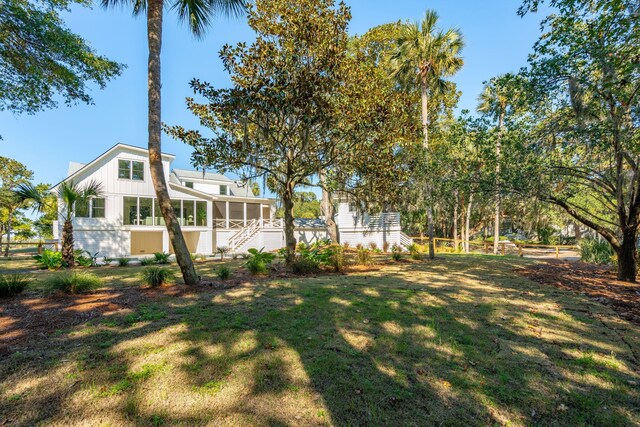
pixel 520 251
pixel 503 248
pixel 40 248
pixel 557 252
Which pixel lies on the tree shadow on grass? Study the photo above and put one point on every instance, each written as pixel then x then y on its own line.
pixel 441 343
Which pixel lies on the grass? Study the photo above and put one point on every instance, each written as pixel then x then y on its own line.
pixel 460 341
pixel 73 282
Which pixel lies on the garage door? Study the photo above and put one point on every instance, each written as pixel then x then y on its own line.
pixel 146 242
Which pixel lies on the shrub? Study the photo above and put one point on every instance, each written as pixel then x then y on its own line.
pixel 161 257
pixel 304 266
pixel 414 251
pixel 385 247
pixel 155 276
pixel 223 272
pixel 223 250
pixel 123 262
pixel 373 246
pixel 396 252
pixel 259 261
pixel 147 261
pixel 193 256
pixel 76 282
pixel 596 251
pixel 107 260
pixel 49 259
pixel 12 284
pixel 346 246
pixel 203 257
pixel 336 257
pixel 363 256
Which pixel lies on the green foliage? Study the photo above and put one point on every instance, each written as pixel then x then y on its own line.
pixel 13 284
pixel 107 261
pixel 303 266
pixel 223 250
pixel 596 251
pixel 396 252
pixel 73 282
pixel 42 61
pixel 305 205
pixel 49 259
pixel 161 257
pixel 147 261
pixel 123 261
pixel 155 276
pixel 363 256
pixel 415 251
pixel 83 260
pixel 259 261
pixel 223 272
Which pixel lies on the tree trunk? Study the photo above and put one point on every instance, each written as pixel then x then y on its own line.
pixel 154 36
pixel 577 234
pixel 67 243
pixel 328 209
pixel 455 220
pixel 290 240
pixel 425 132
pixel 496 223
pixel 628 256
pixel 468 221
pixel 6 251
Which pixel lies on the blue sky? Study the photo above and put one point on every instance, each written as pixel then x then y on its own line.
pixel 497 41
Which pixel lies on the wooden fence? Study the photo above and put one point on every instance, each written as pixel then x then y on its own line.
pixel 486 246
pixel 5 247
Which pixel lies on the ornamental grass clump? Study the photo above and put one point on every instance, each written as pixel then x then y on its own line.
pixel 155 276
pixel 13 284
pixel 73 282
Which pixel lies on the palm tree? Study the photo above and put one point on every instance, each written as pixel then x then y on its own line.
pixel 69 193
pixel 494 101
pixel 424 56
pixel 198 14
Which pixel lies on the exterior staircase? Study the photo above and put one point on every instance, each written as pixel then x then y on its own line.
pixel 242 236
pixel 405 240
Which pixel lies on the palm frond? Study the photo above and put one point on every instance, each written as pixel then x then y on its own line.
pixel 199 13
pixel 28 193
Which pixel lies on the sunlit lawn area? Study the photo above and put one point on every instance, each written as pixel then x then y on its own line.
pixel 462 340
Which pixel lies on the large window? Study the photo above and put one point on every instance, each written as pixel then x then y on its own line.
pixel 146 211
pixel 188 212
pixel 253 211
pixel 201 214
pixel 91 208
pixel 130 211
pixel 130 169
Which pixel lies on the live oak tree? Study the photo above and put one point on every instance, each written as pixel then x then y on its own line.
pixel 12 174
pixel 299 104
pixel 585 92
pixel 41 59
pixel 198 14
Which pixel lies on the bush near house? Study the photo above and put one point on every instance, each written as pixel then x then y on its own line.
pixel 123 261
pixel 156 276
pixel 49 259
pixel 223 272
pixel 76 282
pixel 259 261
pixel 162 257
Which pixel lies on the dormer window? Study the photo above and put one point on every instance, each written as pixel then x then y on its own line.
pixel 224 190
pixel 130 169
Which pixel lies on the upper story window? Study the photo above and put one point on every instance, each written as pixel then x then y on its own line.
pixel 92 208
pixel 130 169
pixel 188 184
pixel 224 190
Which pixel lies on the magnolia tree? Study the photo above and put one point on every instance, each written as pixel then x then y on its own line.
pixel 299 104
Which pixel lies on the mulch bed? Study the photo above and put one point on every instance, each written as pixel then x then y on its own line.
pixel 597 282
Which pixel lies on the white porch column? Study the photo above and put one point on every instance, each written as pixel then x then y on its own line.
pixel 244 213
pixel 226 206
pixel 261 216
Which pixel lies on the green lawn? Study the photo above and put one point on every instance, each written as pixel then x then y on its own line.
pixel 462 340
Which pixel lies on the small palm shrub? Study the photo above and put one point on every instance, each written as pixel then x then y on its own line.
pixel 123 262
pixel 147 261
pixel 336 257
pixel 303 266
pixel 259 261
pixel 385 247
pixel 193 256
pixel 12 284
pixel 396 252
pixel 223 272
pixel 223 250
pixel 414 251
pixel 156 276
pixel 346 246
pixel 107 261
pixel 373 246
pixel 76 282
pixel 49 259
pixel 161 257
pixel 363 256
pixel 596 251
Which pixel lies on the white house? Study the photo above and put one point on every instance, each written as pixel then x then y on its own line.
pixel 213 211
